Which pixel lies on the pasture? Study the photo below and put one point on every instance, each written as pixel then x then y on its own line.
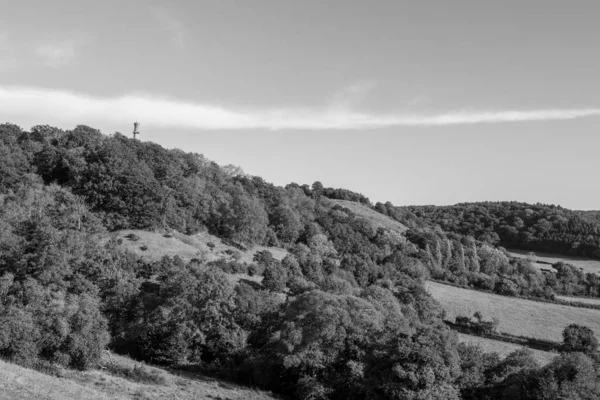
pixel 152 246
pixel 503 348
pixel 375 218
pixel 517 316
pixel 18 383
pixel 586 264
pixel 585 300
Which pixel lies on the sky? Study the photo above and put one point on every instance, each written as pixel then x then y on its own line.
pixel 429 102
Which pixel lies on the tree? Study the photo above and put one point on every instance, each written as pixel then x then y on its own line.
pixel 578 338
pixel 274 277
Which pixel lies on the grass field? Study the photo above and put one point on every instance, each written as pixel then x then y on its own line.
pixel 503 348
pixel 153 246
pixel 586 300
pixel 377 219
pixel 517 316
pixel 585 264
pixel 18 383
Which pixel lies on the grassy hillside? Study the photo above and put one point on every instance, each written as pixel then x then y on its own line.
pixel 153 246
pixel 503 348
pixel 18 383
pixel 377 219
pixel 586 264
pixel 586 300
pixel 517 316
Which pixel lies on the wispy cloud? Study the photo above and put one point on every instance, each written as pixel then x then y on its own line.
pixel 58 54
pixel 169 23
pixel 352 95
pixel 61 107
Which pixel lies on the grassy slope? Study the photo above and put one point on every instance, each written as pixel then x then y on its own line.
pixel 18 383
pixel 587 300
pixel 186 247
pixel 585 264
pixel 377 219
pixel 503 348
pixel 517 316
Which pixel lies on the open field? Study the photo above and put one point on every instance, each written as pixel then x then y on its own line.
pixel 586 264
pixel 517 316
pixel 586 300
pixel 377 219
pixel 503 348
pixel 18 383
pixel 152 246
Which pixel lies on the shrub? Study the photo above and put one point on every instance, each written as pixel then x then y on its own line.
pixel 577 338
pixel 506 287
pixel 133 237
pixel 137 373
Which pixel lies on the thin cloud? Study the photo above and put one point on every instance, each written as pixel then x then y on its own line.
pixel 61 107
pixel 170 24
pixel 58 54
pixel 353 95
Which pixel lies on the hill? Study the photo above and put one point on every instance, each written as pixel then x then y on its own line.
pixel 153 246
pixel 533 227
pixel 545 260
pixel 144 383
pixel 503 349
pixel 517 317
pixel 341 311
pixel 375 218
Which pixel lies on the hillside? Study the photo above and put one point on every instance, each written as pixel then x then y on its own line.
pixel 503 349
pixel 532 227
pixel 517 317
pixel 18 383
pixel 375 218
pixel 341 310
pixel 153 246
pixel 545 260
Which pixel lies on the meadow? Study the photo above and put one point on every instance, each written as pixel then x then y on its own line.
pixel 516 316
pixel 98 384
pixel 586 264
pixel 152 246
pixel 377 219
pixel 504 348
pixel 586 300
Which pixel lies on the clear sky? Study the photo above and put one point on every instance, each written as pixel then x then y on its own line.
pixel 429 102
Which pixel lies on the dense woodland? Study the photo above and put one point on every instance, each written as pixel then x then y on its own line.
pixel 344 316
pixel 536 227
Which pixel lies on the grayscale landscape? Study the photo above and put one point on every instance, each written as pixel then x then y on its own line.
pixel 303 200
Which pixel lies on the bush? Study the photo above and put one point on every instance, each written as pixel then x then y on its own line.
pixel 577 338
pixel 138 373
pixel 506 287
pixel 133 237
